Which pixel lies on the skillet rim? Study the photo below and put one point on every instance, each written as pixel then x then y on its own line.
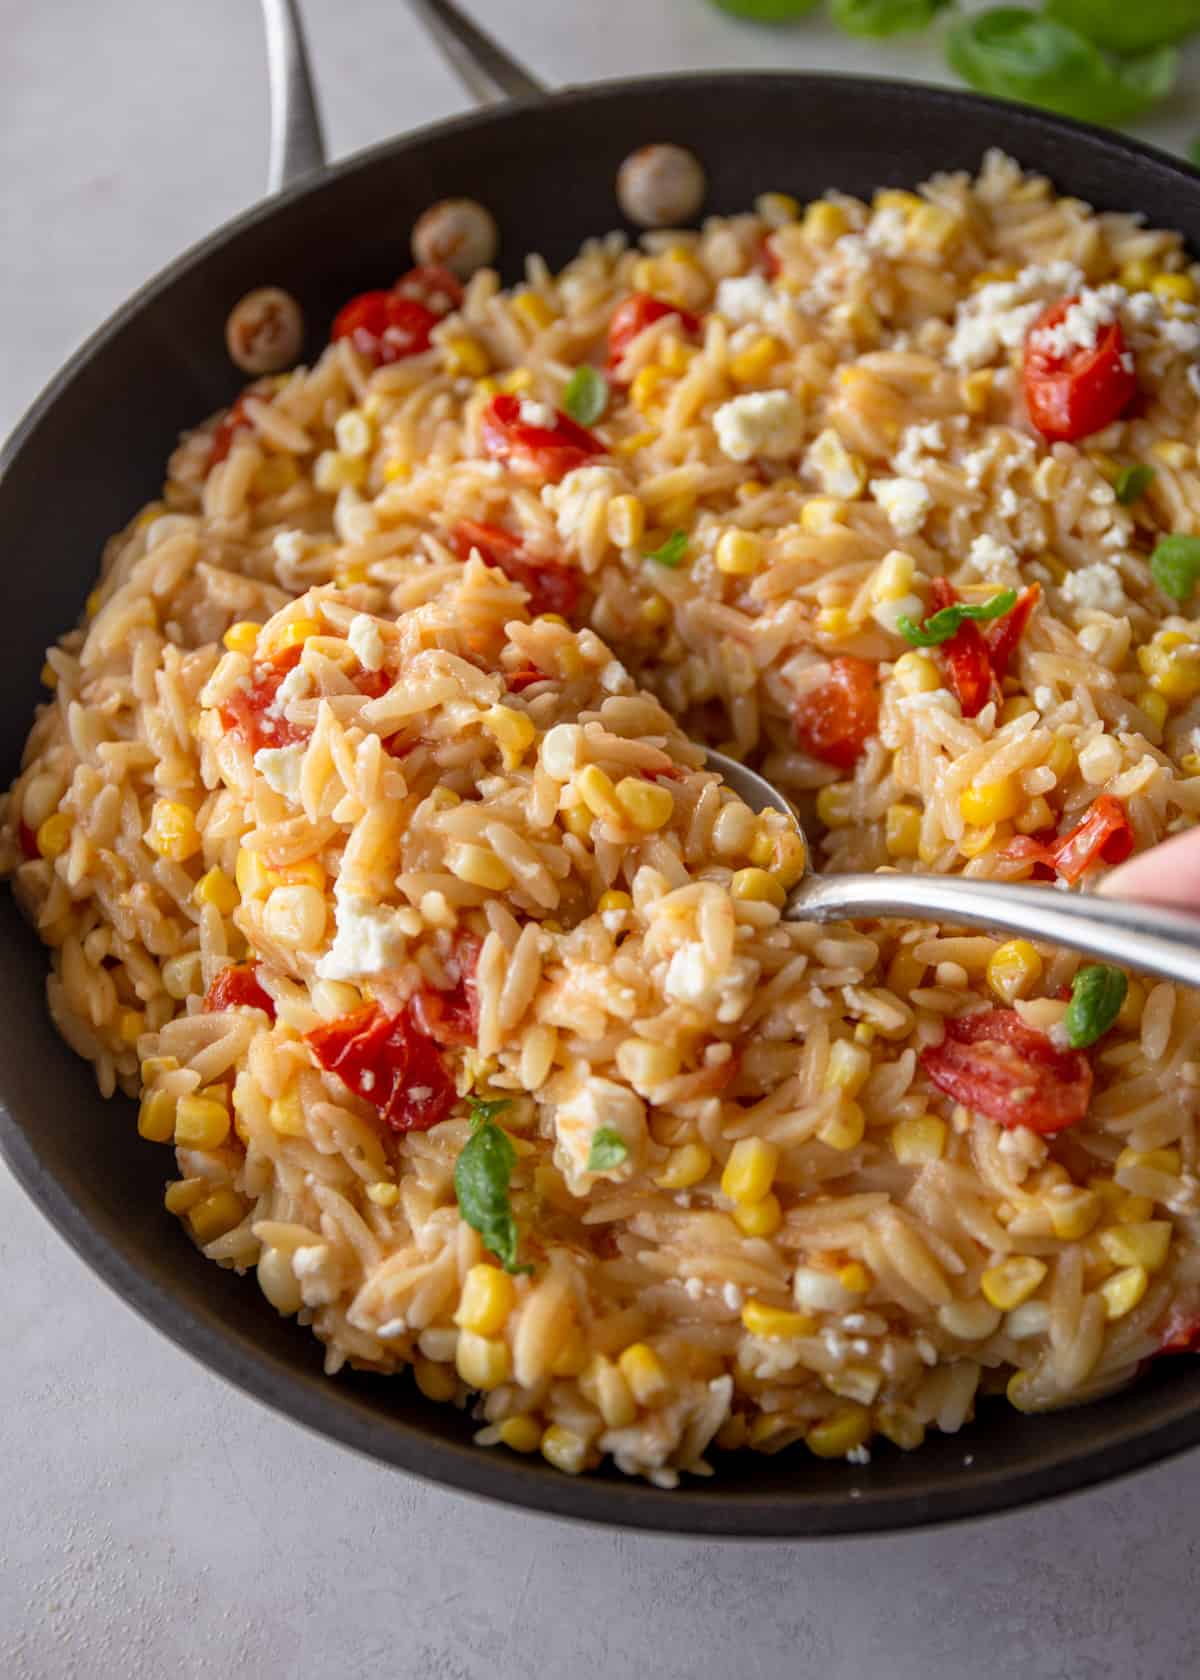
pixel 337 1410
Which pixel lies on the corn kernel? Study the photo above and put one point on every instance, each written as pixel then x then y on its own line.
pixel 383 1193
pixel 604 1385
pixel 626 521
pixel 864 1033
pixel 919 1140
pixel 833 804
pixel 479 867
pixel 976 389
pixel 848 1067
pixel 1018 1391
pixel 465 356
pixel 646 1065
pixel 276 474
pixel 1142 1244
pixel 515 380
pixel 916 674
pixel 833 621
pixel 896 198
pixel 131 1024
pixel 1149 1160
pixel 892 578
pixel 823 222
pixel 156 1117
pixel 644 1373
pixel 53 835
pixel 777 208
pixel 990 802
pixel 1122 1292
pixel 1155 707
pixel 648 805
pixel 845 1127
pixel 1013 970
pixel 333 471
pixel 637 440
pixel 654 611
pixel 685 1166
pixel 295 634
pixel 436 1382
pixel 346 577
pixel 902 831
pixel 934 227
pixel 201 1123
pixel 774 1324
pixel 215 888
pixel 92 605
pixel 675 356
pixel 1136 276
pixel 1013 1281
pixel 1132 1210
pixel 898 1425
pixel 395 470
pixel 1018 706
pixel 1074 1214
pixel 566 1450
pixel 216 1215
pixel 749 490
pixel 855 1277
pixel 252 875
pixel 790 859
pixel 1175 288
pixel 840 1433
pixel 488 1296
pixel 645 384
pixel 820 514
pixel 739 553
pixel 614 901
pixel 750 366
pixel 286 1115
pixel 750 1169
pixel 758 1219
pixel 482 1363
pixel 1061 757
pixel 512 730
pixel 182 1195
pixel 577 820
pixel 520 1434
pixel 172 832
pixel 598 793
pixel 49 676
pixel 533 310
pixel 757 886
pixel 1172 452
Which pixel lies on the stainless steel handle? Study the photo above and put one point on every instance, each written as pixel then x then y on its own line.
pixel 487 72
pixel 297 144
pixel 1138 936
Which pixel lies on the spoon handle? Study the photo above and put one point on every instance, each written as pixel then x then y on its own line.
pixel 1134 935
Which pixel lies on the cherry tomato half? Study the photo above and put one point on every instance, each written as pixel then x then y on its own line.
pixel 1073 395
pixel 251 712
pixel 996 1064
pixel 385 327
pixel 1103 836
pixel 451 1016
pixel 552 587
pixel 388 1062
pixel 833 722
pixel 635 315
pixel 237 987
pixel 534 451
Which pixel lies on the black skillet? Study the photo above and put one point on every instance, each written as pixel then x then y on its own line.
pixel 92 449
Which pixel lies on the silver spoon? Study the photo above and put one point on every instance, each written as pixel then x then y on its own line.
pixel 1138 936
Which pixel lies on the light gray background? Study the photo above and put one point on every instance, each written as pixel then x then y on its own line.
pixel 152 1521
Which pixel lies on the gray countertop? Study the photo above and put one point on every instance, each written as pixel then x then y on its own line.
pixel 154 1521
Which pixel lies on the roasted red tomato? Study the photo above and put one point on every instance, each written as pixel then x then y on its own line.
pixel 965 656
pixel 452 1016
pixel 1003 634
pixel 518 681
pixel 833 722
pixel 388 1062
pixel 635 315
pixel 384 326
pixel 231 423
pixel 250 712
pixel 552 587
pixel 532 450
pixel 1181 1332
pixel 432 286
pixel 994 1063
pixel 770 261
pixel 1074 392
pixel 237 987
pixel 1103 835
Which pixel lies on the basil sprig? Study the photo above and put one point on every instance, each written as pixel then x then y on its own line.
pixel 672 551
pixel 608 1150
pixel 942 625
pixel 1123 28
pixel 586 395
pixel 1132 483
pixel 1097 994
pixel 1175 566
pixel 874 18
pixel 481 1179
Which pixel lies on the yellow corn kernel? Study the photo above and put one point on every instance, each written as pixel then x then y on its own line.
pixel 1136 276
pixel 1013 1281
pixel 345 577
pixel 824 222
pixel 758 1219
pixel 750 366
pixel 855 1277
pixel 685 1166
pixel 201 1123
pixel 637 440
pixel 646 1065
pixel 898 1425
pixel 572 1356
pixel 216 1215
pixel 674 513
pixel 1106 465
pixel 215 888
pixel 533 310
pixel 287 1116
pixel 892 578
pixel 902 832
pixel 750 1170
pixel 1132 1210
pixel 1142 1244
pixel 774 1324
pixel 1176 288
pixel 1155 707
pixel 598 793
pixel 488 1296
pixel 1150 1160
pixel 762 849
pixel 757 886
pixel 976 841
pixel 990 802
pixel 1018 706
pixel 833 804
pixel 295 634
pixel 840 1433
pixel 383 1193
pixel 577 820
pixel 654 611
pixel 242 637
pixel 675 356
pixel 864 1033
pixel 845 1127
pixel 395 470
pixel 53 835
pixel 820 514
pixel 513 731
pixel 612 900
pixel 478 867
pixel 749 490
pixel 1123 1290
pixel 919 1140
pixel 848 1067
pixel 92 605
pixel 645 384
pixel 466 356
pixel 49 676
pixel 777 208
pixel 976 390
pixel 520 1434
pixel 436 1382
pixel 1013 970
pixel 182 1195
pixel 482 1363
pixel 1061 757
pixel 1036 816
pixel 916 673
pixel 647 805
pixel 626 521
pixel 603 1384
pixel 276 474
pixel 566 1450
pixel 306 873
pixel 131 1024
pixel 934 227
pixel 897 198
pixel 253 876
pixel 172 832
pixel 833 621
pixel 156 1117
pixel 644 1373
pixel 739 553
pixel 516 380
pixel 790 858
pixel 334 471
pixel 1074 1214
pixel 1173 452
pixel 1018 1391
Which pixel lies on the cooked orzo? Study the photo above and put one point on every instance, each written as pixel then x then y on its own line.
pixel 368 826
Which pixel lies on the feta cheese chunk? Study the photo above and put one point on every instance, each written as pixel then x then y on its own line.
pixel 906 501
pixel 366 641
pixel 769 424
pixel 295 686
pixel 597 1104
pixel 724 992
pixel 369 940
pixel 1097 586
pixel 280 768
pixel 748 298
pixel 536 414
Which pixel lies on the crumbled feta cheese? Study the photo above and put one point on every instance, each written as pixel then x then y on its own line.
pixel 294 686
pixel 370 939
pixel 366 641
pixel 998 316
pixel 280 768
pixel 746 298
pixel 1043 698
pixel 693 978
pixel 1180 334
pixel 887 231
pixel 694 1288
pixel 289 546
pixel 576 500
pixel 1080 327
pixel 1193 378
pixel 733 1297
pixel 597 1103
pixel 765 423
pixel 393 1327
pixel 836 471
pixel 859 1455
pixel 1097 586
pixel 916 443
pixel 986 554
pixel 536 414
pixel 1142 308
pixel 906 501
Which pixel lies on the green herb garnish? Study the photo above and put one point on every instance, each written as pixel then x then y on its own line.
pixel 874 18
pixel 942 625
pixel 672 552
pixel 481 1179
pixel 608 1150
pixel 1132 483
pixel 1097 994
pixel 1122 28
pixel 586 395
pixel 1175 566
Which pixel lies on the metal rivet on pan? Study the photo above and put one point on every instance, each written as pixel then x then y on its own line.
pixel 264 331
pixel 661 186
pixel 458 234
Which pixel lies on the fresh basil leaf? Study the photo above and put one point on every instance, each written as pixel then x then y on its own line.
pixel 672 552
pixel 586 395
pixel 767 11
pixel 1097 994
pixel 608 1150
pixel 1175 566
pixel 942 625
pixel 486 1108
pixel 872 18
pixel 1019 54
pixel 1132 483
pixel 1125 28
pixel 481 1177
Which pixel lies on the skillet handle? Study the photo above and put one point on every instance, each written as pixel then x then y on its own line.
pixel 487 72
pixel 297 142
